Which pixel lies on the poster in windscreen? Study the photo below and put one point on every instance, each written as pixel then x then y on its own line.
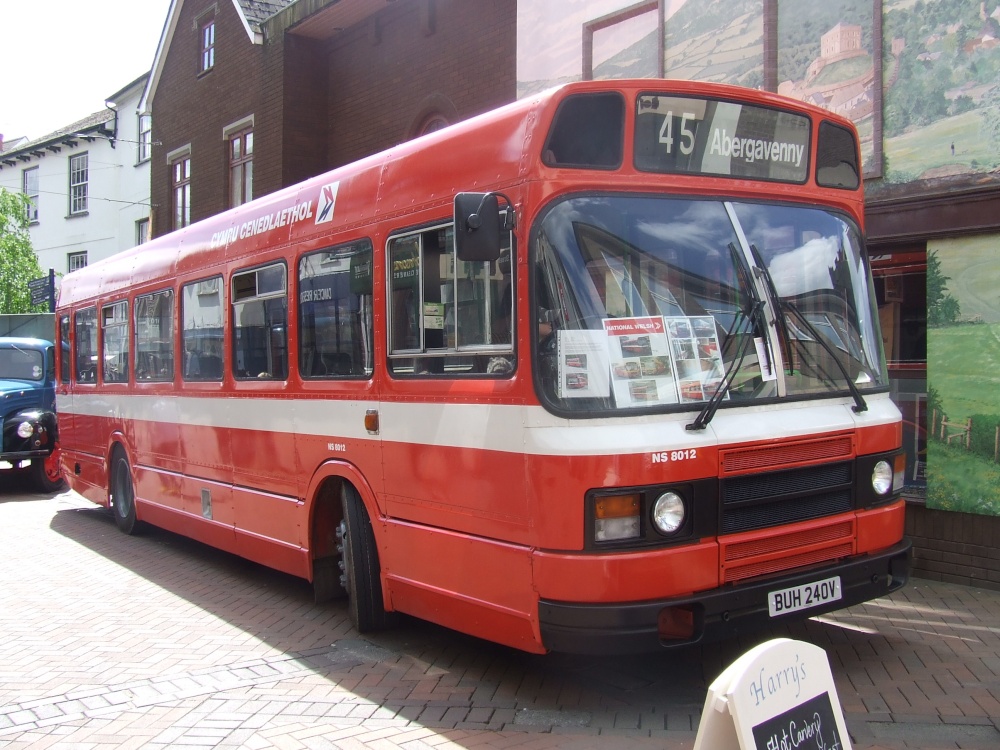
pixel 642 361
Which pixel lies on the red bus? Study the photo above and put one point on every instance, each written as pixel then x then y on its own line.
pixel 598 371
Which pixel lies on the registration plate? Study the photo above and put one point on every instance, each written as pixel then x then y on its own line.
pixel 806 596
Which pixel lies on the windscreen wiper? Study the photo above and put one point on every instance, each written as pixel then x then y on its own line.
pixel 712 405
pixel 859 401
pixel 760 270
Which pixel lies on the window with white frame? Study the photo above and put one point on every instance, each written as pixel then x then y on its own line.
pixel 180 180
pixel 79 175
pixel 240 168
pixel 76 261
pixel 29 186
pixel 142 231
pixel 207 34
pixel 145 137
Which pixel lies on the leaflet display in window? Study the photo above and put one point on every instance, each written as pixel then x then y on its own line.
pixel 642 361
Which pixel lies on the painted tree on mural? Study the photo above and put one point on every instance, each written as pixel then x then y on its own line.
pixel 942 308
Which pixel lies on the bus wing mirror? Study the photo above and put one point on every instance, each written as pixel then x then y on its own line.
pixel 477 226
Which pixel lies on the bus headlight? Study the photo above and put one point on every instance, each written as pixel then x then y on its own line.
pixel 25 430
pixel 669 512
pixel 882 478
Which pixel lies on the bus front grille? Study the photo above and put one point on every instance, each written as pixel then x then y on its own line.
pixel 747 556
pixel 760 501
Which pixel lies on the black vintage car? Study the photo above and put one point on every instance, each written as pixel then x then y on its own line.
pixel 28 407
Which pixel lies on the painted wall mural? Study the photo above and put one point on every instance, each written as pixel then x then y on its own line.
pixel 708 40
pixel 826 57
pixel 941 63
pixel 963 374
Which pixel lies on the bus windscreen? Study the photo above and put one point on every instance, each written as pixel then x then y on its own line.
pixel 686 135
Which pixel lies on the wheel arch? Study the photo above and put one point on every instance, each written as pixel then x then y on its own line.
pixel 324 512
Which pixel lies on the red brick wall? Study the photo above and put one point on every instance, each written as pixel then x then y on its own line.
pixel 194 108
pixel 389 73
pixel 955 547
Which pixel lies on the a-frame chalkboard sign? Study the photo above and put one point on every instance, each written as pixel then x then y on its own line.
pixel 777 696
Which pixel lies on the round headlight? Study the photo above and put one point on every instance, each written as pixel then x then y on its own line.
pixel 25 430
pixel 882 477
pixel 668 512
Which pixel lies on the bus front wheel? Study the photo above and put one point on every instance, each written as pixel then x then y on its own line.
pixel 359 565
pixel 122 492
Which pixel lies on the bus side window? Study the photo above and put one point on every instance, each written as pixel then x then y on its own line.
pixel 114 321
pixel 448 317
pixel 335 312
pixel 154 336
pixel 85 345
pixel 64 357
pixel 201 333
pixel 260 323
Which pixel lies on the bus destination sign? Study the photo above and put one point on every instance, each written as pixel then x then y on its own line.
pixel 728 139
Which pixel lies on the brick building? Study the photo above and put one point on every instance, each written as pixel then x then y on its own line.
pixel 248 97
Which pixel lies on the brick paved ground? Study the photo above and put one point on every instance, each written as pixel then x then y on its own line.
pixel 155 641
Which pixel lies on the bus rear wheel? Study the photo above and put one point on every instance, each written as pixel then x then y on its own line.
pixel 122 492
pixel 359 565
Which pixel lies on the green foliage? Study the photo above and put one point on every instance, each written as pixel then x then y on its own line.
pixel 18 262
pixel 934 409
pixel 984 433
pixel 942 308
pixel 961 481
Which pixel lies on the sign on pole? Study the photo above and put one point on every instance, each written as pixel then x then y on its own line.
pixel 43 290
pixel 777 696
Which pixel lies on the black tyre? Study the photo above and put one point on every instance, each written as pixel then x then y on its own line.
pixel 122 492
pixel 47 473
pixel 360 569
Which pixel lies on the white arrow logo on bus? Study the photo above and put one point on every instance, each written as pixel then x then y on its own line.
pixel 327 200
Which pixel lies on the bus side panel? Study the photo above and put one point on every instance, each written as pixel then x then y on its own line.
pixel 156 432
pixel 440 471
pixel 205 453
pixel 476 586
pixel 91 478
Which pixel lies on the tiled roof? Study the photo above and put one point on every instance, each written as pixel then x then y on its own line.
pixel 258 11
pixel 80 126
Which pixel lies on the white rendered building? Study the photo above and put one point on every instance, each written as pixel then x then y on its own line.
pixel 88 183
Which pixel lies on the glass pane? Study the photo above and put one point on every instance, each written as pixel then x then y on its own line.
pixel 86 346
pixel 404 264
pixel 154 337
pixel 201 316
pixel 335 312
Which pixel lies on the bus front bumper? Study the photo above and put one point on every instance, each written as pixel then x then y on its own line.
pixel 634 627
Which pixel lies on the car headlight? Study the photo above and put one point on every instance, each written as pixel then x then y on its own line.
pixel 669 512
pixel 882 478
pixel 25 430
